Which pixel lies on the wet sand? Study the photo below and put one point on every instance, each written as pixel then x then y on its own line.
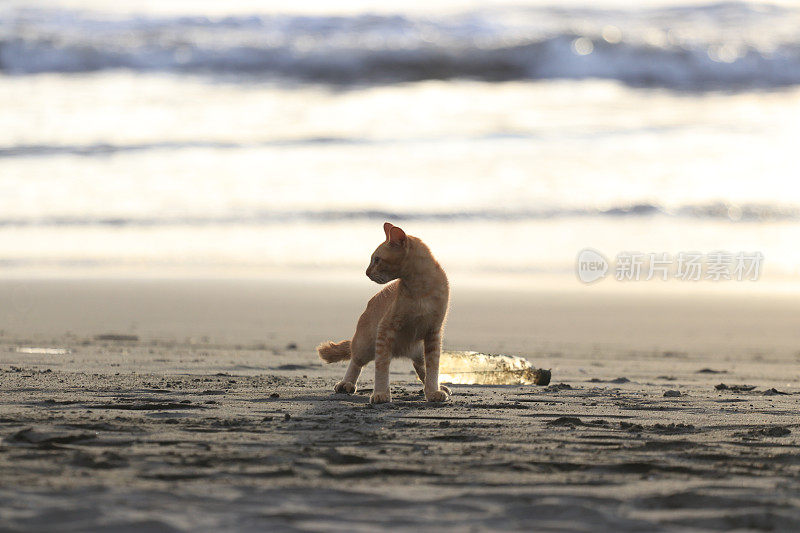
pixel 219 416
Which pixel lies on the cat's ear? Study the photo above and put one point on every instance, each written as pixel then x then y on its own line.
pixel 386 229
pixel 397 237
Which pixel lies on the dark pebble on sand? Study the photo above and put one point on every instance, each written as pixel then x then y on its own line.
pixel 105 460
pixel 673 428
pixel 287 416
pixel 51 401
pixel 775 431
pixel 558 387
pixel 630 426
pixel 274 395
pixel 335 457
pixel 292 367
pixel 615 380
pixel 566 421
pixel 30 435
pixel 735 388
pixel 672 394
pixel 291 346
pixel 116 337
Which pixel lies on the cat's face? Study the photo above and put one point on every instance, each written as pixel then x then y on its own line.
pixel 386 261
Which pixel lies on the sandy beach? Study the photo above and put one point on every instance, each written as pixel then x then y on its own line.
pixel 192 191
pixel 202 406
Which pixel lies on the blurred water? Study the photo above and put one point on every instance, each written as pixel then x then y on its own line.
pixel 254 141
pixel 719 45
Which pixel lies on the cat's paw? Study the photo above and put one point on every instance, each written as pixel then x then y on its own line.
pixel 437 396
pixel 345 387
pixel 421 392
pixel 380 397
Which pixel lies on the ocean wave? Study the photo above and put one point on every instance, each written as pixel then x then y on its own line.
pixel 105 149
pixel 715 211
pixel 698 47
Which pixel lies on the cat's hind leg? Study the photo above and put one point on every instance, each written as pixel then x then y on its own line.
pixel 433 347
pixel 418 360
pixel 417 356
pixel 348 383
pixel 360 354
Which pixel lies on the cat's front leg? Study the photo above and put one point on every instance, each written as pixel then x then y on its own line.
pixel 433 350
pixel 383 356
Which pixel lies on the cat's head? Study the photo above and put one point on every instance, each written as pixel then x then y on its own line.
pixel 387 260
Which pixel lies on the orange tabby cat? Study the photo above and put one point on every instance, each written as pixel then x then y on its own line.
pixel 403 320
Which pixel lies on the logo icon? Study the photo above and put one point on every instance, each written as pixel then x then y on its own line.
pixel 591 265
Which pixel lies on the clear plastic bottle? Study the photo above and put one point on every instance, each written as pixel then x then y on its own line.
pixel 475 368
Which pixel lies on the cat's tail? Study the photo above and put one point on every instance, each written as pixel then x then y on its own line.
pixel 331 352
